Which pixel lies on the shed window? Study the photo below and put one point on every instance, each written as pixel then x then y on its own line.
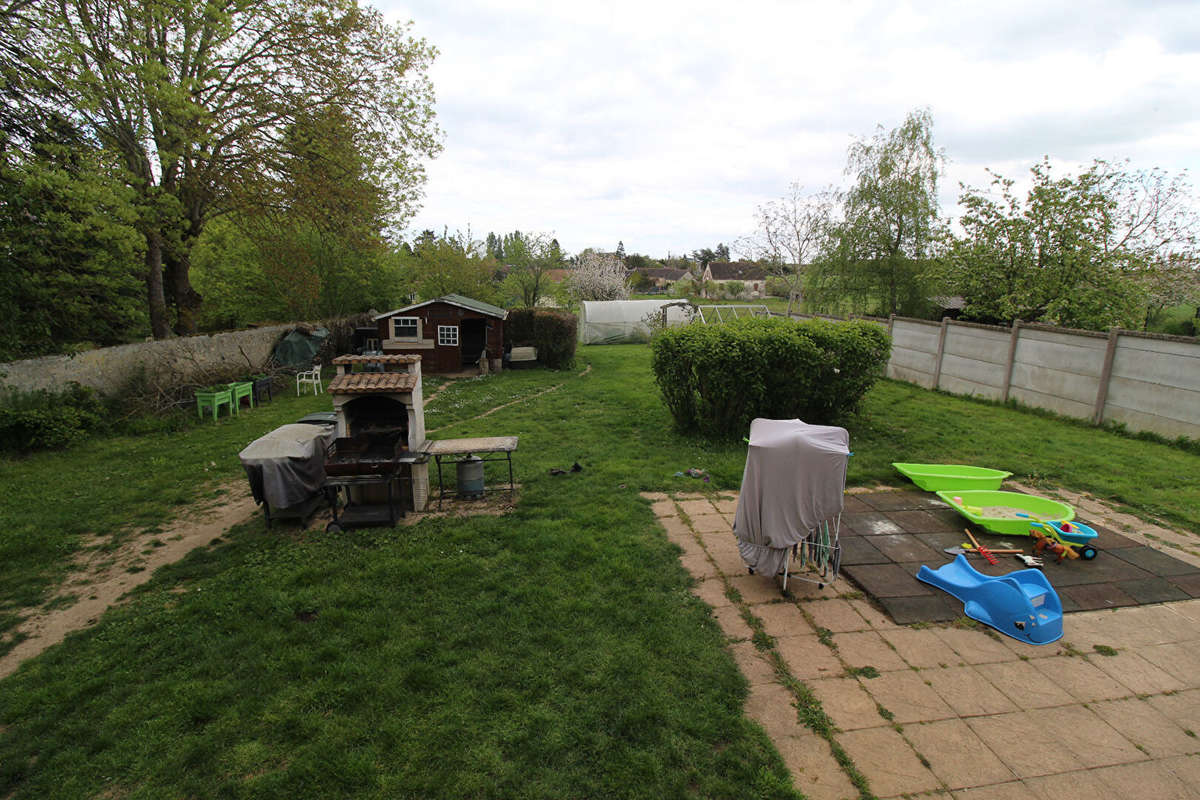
pixel 406 327
pixel 448 335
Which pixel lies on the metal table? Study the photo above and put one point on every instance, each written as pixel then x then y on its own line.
pixel 499 448
pixel 361 514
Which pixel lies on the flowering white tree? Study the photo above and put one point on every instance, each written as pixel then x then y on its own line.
pixel 598 276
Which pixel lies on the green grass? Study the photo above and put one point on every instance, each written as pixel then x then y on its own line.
pixel 551 652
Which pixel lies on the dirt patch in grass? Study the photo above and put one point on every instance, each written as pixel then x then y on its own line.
pixel 102 577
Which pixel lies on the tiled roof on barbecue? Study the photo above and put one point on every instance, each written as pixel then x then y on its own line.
pixel 387 358
pixel 372 383
pixel 454 300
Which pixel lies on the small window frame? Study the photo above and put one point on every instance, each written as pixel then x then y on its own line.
pixel 415 326
pixel 447 336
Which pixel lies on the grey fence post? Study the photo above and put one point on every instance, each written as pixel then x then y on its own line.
pixel 1105 376
pixel 1012 358
pixel 937 368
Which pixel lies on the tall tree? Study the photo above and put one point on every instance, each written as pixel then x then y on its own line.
pixel 792 232
pixel 889 221
pixel 452 264
pixel 531 256
pixel 598 276
pixel 195 99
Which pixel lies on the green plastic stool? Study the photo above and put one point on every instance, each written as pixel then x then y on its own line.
pixel 214 400
pixel 240 389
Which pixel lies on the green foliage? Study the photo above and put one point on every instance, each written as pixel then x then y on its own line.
pixel 877 253
pixel 733 289
pixel 778 287
pixel 715 379
pixel 451 264
pixel 70 253
pixel 45 420
pixel 553 333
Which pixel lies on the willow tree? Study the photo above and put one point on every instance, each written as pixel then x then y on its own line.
pixel 195 99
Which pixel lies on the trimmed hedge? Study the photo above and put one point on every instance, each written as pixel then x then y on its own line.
pixel 552 332
pixel 715 379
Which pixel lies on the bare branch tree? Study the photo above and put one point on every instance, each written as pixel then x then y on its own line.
pixel 792 231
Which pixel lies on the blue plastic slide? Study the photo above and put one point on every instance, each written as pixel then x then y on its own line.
pixel 1021 604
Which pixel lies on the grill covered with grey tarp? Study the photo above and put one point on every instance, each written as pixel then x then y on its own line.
pixel 287 466
pixel 794 483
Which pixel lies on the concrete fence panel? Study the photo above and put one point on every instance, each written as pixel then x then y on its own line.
pixel 975 361
pixel 914 352
pixel 1155 385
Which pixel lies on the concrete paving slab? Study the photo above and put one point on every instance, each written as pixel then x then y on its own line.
pixel 756 588
pixel 783 619
pixel 929 608
pixel 903 548
pixel 664 508
pixel 711 591
pixel 908 697
pixel 1179 660
pixel 901 500
pixel 814 771
pixel 847 703
pixel 868 649
pixel 807 658
pixel 1025 685
pixel 967 692
pixel 1181 707
pixel 852 505
pixel 875 618
pixel 888 580
pixel 1139 675
pixel 728 563
pixel 921 522
pixel 715 542
pixel 1154 561
pixel 859 550
pixel 887 761
pixel 1078 730
pixel 835 615
pixel 726 506
pixel 1137 720
pixel 921 648
pixel 677 531
pixel 870 523
pixel 731 622
pixel 1016 740
pixel 710 523
pixel 752 663
pixel 1015 790
pixel 1152 590
pixel 1075 785
pixel 1188 583
pixel 975 646
pixel 771 706
pixel 695 508
pixel 956 755
pixel 700 566
pixel 1084 681
pixel 1147 779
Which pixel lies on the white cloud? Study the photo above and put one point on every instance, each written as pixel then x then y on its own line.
pixel 664 124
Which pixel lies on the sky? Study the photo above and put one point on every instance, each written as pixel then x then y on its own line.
pixel 664 125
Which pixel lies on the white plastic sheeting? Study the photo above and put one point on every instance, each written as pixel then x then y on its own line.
pixel 621 321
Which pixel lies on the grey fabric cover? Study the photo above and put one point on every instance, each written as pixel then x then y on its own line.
pixel 795 478
pixel 287 466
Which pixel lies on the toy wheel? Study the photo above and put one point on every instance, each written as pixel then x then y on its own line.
pixel 333 527
pixel 1088 553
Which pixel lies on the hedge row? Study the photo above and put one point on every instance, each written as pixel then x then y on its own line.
pixel 551 332
pixel 715 379
pixel 44 420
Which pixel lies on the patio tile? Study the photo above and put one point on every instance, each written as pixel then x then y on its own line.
pixel 921 648
pixel 1155 561
pixel 870 523
pixel 1075 785
pixel 729 563
pixel 868 649
pixel 835 615
pixel 847 703
pixel 929 608
pixel 877 619
pixel 975 646
pixel 664 508
pixel 887 580
pixel 859 550
pixel 1181 661
pixel 782 619
pixel 1098 595
pixel 1108 539
pixel 887 761
pixel 770 705
pixel 807 658
pixel 903 548
pixel 711 591
pixel 695 508
pixel 731 622
pixel 1148 779
pixel 756 588
pixel 815 773
pixel 1142 677
pixel 967 692
pixel 1025 685
pixel 1188 583
pixel 1015 738
pixel 1186 768
pixel 852 505
pixel 1141 723
pixel 710 523
pixel 677 531
pixel 726 506
pixel 1084 681
pixel 899 501
pixel 1092 741
pixel 719 542
pixel 699 566
pixel 920 522
pixel 908 697
pixel 1014 790
pixel 752 664
pixel 1181 707
pixel 1152 590
pixel 956 754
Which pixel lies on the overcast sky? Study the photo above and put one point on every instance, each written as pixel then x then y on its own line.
pixel 663 125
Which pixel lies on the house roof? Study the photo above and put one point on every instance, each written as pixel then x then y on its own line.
pixel 454 300
pixel 663 272
pixel 736 271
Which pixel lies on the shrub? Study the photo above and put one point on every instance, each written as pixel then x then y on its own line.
pixel 551 332
pixel 45 420
pixel 715 379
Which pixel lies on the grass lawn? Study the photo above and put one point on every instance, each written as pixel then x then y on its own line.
pixel 551 652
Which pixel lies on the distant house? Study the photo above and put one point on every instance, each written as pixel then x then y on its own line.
pixel 661 276
pixel 449 333
pixel 752 276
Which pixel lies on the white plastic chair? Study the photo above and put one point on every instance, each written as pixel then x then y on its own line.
pixel 311 378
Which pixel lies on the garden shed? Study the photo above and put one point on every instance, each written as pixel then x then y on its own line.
pixel 449 333
pixel 618 321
